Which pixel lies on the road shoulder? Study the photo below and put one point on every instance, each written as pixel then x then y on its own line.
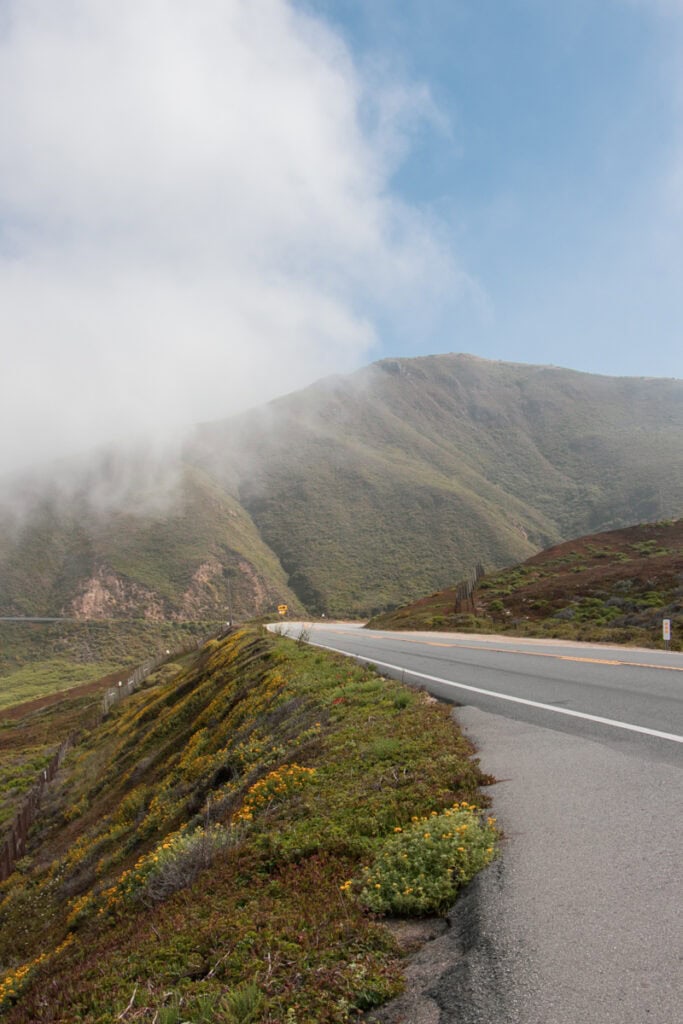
pixel 579 922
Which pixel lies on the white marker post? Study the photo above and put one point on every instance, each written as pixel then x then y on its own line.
pixel 666 632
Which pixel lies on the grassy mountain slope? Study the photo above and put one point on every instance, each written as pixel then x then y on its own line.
pixel 376 487
pixel 158 561
pixel 359 493
pixel 613 586
pixel 202 851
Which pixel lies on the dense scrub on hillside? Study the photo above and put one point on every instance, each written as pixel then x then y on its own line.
pixel 384 485
pixel 616 586
pixel 183 553
pixel 354 495
pixel 207 854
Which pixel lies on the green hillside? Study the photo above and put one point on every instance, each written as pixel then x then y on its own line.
pixel 222 848
pixel 377 487
pixel 357 494
pixel 170 561
pixel 38 659
pixel 616 586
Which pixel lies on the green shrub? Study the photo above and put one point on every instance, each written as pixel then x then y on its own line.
pixel 419 868
pixel 244 1004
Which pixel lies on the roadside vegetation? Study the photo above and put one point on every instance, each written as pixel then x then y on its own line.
pixel 608 587
pixel 225 845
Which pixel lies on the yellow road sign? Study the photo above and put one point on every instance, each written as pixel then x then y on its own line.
pixel 282 609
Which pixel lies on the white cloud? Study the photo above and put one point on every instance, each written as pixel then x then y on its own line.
pixel 194 214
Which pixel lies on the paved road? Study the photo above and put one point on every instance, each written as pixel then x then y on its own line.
pixel 33 618
pixel 580 921
pixel 627 697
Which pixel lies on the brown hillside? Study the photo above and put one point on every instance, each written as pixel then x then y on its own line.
pixel 615 586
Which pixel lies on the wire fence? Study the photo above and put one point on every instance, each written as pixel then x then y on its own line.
pixel 14 846
pixel 117 693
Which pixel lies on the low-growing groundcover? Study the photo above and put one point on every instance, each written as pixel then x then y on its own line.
pixel 613 587
pixel 222 847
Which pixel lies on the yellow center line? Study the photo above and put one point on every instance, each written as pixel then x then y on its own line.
pixel 540 654
pixel 507 650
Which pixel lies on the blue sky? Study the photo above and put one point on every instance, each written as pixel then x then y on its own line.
pixel 553 172
pixel 203 206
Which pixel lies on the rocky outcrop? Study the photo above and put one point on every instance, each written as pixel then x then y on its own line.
pixel 107 595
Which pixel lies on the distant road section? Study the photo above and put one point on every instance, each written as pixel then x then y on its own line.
pixel 580 920
pixel 33 618
pixel 616 694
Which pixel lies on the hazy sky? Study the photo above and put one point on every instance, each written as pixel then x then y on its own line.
pixel 203 205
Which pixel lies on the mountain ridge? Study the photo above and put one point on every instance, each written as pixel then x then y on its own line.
pixel 366 490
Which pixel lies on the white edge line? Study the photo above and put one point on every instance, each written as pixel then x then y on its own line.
pixel 506 696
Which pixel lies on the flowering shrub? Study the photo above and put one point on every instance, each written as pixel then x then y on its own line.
pixel 79 909
pixel 108 846
pixel 419 868
pixel 76 810
pixel 275 785
pixel 179 859
pixel 191 762
pixel 172 865
pixel 12 984
pixel 256 749
pixel 132 806
pixel 163 808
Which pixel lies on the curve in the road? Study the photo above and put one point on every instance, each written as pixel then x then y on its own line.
pixel 520 700
pixel 608 693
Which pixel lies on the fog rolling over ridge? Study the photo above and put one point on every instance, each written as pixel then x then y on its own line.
pixel 359 492
pixel 170 250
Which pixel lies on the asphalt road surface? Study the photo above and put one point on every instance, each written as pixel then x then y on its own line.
pixel 581 920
